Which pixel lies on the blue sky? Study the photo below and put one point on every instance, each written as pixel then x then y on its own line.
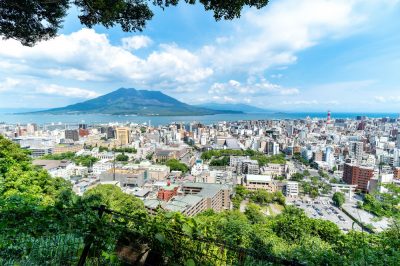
pixel 314 55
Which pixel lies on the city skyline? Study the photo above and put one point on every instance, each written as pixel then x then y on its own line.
pixel 310 56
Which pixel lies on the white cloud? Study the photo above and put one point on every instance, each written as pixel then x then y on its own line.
pixel 250 88
pixel 301 102
pixel 262 39
pixel 387 99
pixel 9 84
pixel 54 89
pixel 89 56
pixel 136 42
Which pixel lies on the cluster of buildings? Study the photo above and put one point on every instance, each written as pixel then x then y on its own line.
pixel 360 154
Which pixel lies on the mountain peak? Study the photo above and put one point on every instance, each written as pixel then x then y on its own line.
pixel 125 101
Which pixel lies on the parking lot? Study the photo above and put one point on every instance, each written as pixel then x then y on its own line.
pixel 322 208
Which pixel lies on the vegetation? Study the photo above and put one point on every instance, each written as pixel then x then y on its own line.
pixel 176 165
pixel 36 20
pixel 125 149
pixel 297 156
pixel 223 156
pixel 385 204
pixel 61 156
pixel 35 206
pixel 122 157
pixel 264 160
pixel 83 160
pixel 102 149
pixel 150 156
pixel 261 197
pixel 224 161
pixel 338 199
pixel 207 155
pixel 297 177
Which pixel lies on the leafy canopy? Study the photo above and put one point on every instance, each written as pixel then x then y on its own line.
pixel 35 20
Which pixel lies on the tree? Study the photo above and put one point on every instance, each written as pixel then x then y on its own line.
pixel 35 20
pixel 297 177
pixel 254 214
pixel 176 165
pixel 338 199
pixel 306 173
pixel 122 157
pixel 85 160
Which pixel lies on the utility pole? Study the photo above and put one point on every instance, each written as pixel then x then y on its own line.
pixel 114 163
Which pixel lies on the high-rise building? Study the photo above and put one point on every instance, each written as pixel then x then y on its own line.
pixel 357 150
pixel 83 126
pixel 358 175
pixel 71 134
pixel 123 137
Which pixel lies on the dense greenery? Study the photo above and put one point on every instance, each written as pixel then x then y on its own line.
pixel 176 165
pixel 83 160
pixel 297 177
pixel 207 155
pixel 261 197
pixel 221 157
pixel 125 149
pixel 22 184
pixel 34 205
pixel 383 204
pixel 264 160
pixel 224 161
pixel 122 157
pixel 338 199
pixel 35 20
pixel 313 187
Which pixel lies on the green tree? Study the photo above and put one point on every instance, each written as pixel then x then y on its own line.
pixel 254 214
pixel 297 177
pixel 36 20
pixel 306 173
pixel 114 198
pixel 338 199
pixel 176 165
pixel 85 160
pixel 122 157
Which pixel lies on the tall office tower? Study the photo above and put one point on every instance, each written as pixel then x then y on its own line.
pixel 83 126
pixel 123 137
pixel 110 133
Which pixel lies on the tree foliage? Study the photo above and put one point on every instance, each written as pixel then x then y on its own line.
pixel 36 20
pixel 383 204
pixel 122 157
pixel 176 165
pixel 83 160
pixel 34 204
pixel 338 199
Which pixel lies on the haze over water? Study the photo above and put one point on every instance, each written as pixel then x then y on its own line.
pixel 11 118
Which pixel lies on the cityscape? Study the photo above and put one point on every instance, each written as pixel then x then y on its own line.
pixel 192 167
pixel 167 133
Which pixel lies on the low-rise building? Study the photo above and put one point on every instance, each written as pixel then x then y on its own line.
pixel 256 182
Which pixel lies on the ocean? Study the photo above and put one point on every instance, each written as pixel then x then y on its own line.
pixel 12 118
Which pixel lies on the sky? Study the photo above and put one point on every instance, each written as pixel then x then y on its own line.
pixel 314 55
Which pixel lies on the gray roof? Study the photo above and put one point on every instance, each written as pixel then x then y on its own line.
pixel 180 204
